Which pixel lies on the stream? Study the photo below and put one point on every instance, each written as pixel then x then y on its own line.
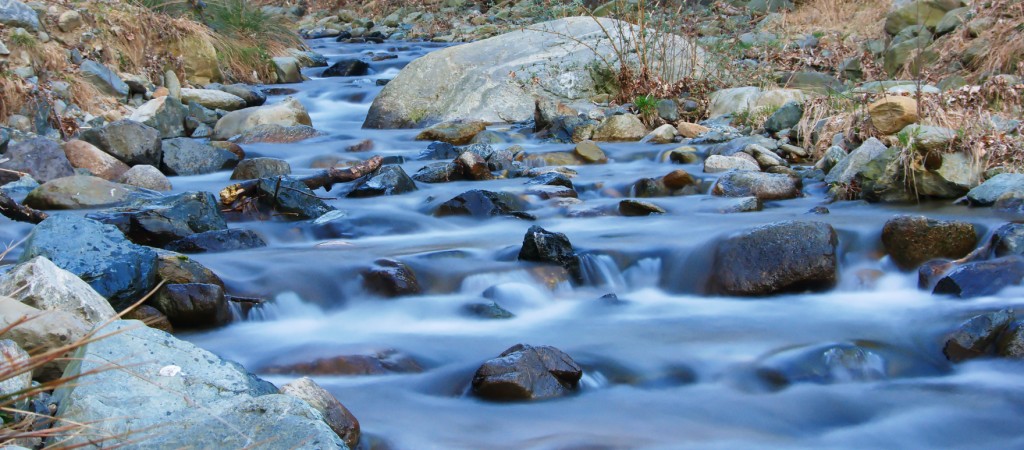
pixel 666 366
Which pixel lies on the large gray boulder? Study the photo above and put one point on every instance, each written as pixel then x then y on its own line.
pixel 988 192
pixel 157 222
pixel 127 140
pixel 779 257
pixel 41 284
pixel 99 254
pixel 16 14
pixel 287 113
pixel 166 114
pixel 39 157
pixel 184 156
pixel 103 78
pixel 78 192
pixel 168 393
pixel 45 331
pixel 853 164
pixel 499 79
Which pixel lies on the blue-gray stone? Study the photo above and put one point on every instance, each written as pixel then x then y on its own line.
pixel 103 78
pixel 16 14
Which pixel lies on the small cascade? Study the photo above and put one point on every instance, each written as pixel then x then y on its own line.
pixel 602 271
pixel 645 273
pixel 285 306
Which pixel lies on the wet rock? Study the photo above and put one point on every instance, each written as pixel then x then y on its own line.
pixel 288 112
pixel 540 245
pixel 78 192
pixel 251 95
pixel 347 68
pixel 184 156
pixel 212 98
pixel 455 133
pixel 103 78
pixel 637 208
pixel 849 167
pixel 46 331
pixel 912 240
pixel 765 186
pixel 129 141
pixel 441 172
pixel 718 163
pixel 891 114
pixel 165 114
pixel 277 134
pixel 620 127
pixel 150 316
pixel 822 364
pixel 473 167
pixel 291 197
pixel 391 278
pixel 787 116
pixel 527 373
pixel 976 336
pixel 39 157
pixel 97 253
pixel 175 268
pixel 382 362
pixel 160 382
pixel 1008 240
pixel 146 177
pixel 217 241
pixel 775 258
pixel 992 189
pixel 387 180
pixel 981 278
pixel 1011 342
pixel 487 310
pixel 335 414
pixel 41 284
pixel 739 205
pixel 545 192
pixel 251 169
pixel 589 152
pixel 193 305
pixel 440 150
pixel 160 221
pixel 83 155
pixel 364 145
pixel 482 204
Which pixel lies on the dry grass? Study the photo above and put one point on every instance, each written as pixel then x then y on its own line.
pixel 860 18
pixel 15 94
pixel 1003 41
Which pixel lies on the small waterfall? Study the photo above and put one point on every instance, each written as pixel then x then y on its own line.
pixel 601 271
pixel 285 306
pixel 646 273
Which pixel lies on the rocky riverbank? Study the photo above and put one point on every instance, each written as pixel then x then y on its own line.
pixel 533 119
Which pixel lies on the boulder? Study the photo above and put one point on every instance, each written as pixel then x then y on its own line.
pixel 482 204
pixel 41 284
pixel 104 79
pixel 912 240
pixel 926 138
pixel 453 132
pixel 779 257
pixel 47 330
pixel 589 152
pixel 690 130
pixel 524 372
pixel 277 134
pixel 287 69
pixel 291 198
pixel 193 305
pixel 254 168
pixel 947 175
pixel 39 157
pixel 147 177
pixel 719 163
pixel 97 253
pixel 441 172
pixel 216 241
pixel 976 336
pixel 184 156
pixel 490 79
pixel 129 141
pixel 84 155
pixel 213 99
pixel 849 167
pixel 288 112
pixel 750 99
pixel 891 114
pixel 981 278
pixel 918 12
pixel 176 268
pixel 391 278
pixel 150 316
pixel 389 179
pixel 160 221
pixel 153 397
pixel 732 147
pixel 664 134
pixel 165 114
pixel 251 95
pixel 1011 342
pixel 15 365
pixel 952 20
pixel 16 14
pixel 347 68
pixel 78 192
pixel 1008 240
pixel 620 127
pixel 472 166
pixel 914 54
pixel 637 208
pixel 335 414
pixel 543 246
pixel 992 189
pixel 199 58
pixel 787 116
pixel 765 186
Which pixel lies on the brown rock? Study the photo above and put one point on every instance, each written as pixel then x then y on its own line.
pixel 589 152
pixel 363 146
pixel 691 130
pixel 913 240
pixel 381 362
pixel 336 415
pixel 473 167
pixel 678 179
pixel 161 92
pixel 150 316
pixel 890 114
pixel 455 133
pixel 84 155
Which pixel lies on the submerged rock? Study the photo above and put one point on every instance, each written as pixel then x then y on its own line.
pixel 524 372
pixel 383 362
pixel 912 240
pixel 775 258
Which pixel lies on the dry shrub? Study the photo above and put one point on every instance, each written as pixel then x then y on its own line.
pixel 842 17
pixel 15 94
pixel 1003 42
pixel 825 117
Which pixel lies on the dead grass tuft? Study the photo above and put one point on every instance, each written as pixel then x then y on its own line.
pixel 846 18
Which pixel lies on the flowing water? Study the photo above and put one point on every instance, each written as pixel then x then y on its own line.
pixel 666 366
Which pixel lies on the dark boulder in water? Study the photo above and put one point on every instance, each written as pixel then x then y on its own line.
pixel 912 240
pixel 527 373
pixel 218 241
pixel 540 245
pixel 482 204
pixel 976 336
pixel 980 278
pixel 391 278
pixel 347 68
pixel 387 180
pixel 193 305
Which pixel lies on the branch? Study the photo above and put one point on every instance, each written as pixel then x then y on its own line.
pixel 21 213
pixel 324 179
